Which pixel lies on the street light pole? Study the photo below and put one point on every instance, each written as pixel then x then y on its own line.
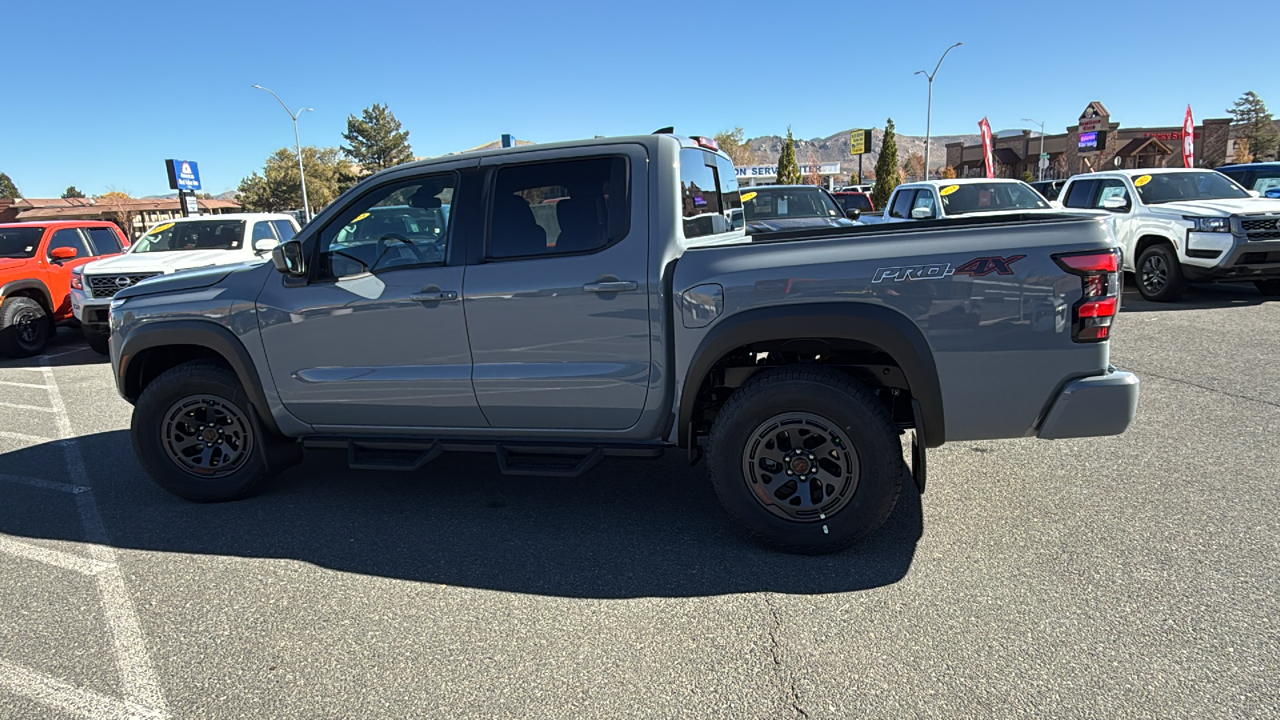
pixel 1039 160
pixel 928 118
pixel 297 144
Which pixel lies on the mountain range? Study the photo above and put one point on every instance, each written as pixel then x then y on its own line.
pixel 835 148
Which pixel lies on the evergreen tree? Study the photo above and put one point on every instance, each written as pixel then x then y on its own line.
pixel 277 188
pixel 887 176
pixel 788 168
pixel 1253 122
pixel 375 140
pixel 71 192
pixel 8 190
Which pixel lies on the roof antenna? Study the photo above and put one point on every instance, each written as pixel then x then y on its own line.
pixel 665 131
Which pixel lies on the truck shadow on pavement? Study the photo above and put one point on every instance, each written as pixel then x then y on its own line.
pixel 1197 297
pixel 628 529
pixel 66 347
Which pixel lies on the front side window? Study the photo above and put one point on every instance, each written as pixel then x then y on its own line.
pixel 262 231
pixel 558 208
pixel 394 226
pixel 69 238
pixel 19 242
pixel 1157 188
pixel 104 240
pixel 1265 180
pixel 924 199
pixel 193 235
pixel 1109 190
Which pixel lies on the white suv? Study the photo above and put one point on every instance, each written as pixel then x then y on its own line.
pixel 169 247
pixel 1184 225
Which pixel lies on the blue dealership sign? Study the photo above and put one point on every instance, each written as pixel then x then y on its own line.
pixel 183 174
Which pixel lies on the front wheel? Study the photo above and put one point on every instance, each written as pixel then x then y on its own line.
pixel 806 459
pixel 1159 274
pixel 195 434
pixel 25 328
pixel 97 339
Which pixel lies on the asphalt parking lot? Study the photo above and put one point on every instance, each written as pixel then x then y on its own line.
pixel 1134 576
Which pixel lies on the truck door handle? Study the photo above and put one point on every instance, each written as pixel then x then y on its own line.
pixel 433 294
pixel 611 287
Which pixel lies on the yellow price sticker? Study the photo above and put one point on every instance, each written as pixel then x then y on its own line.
pixel 360 217
pixel 160 228
pixel 948 190
pixel 1142 181
pixel 748 196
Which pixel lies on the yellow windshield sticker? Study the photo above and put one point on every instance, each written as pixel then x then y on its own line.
pixel 160 228
pixel 360 217
pixel 1142 181
pixel 748 196
pixel 948 190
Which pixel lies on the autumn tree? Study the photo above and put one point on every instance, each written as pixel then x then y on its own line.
pixel 733 143
pixel 71 192
pixel 914 166
pixel 117 205
pixel 887 173
pixel 813 177
pixel 948 173
pixel 788 168
pixel 375 140
pixel 1242 156
pixel 1252 121
pixel 8 189
pixel 277 187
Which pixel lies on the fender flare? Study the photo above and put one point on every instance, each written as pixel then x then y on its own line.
pixel 882 327
pixel 202 334
pixel 29 284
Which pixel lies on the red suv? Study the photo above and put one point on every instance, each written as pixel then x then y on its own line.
pixel 35 276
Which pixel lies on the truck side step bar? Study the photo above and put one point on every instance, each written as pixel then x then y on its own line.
pixel 539 458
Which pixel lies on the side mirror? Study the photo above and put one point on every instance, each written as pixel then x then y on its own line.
pixel 262 245
pixel 63 253
pixel 288 259
pixel 853 213
pixel 1116 203
pixel 921 213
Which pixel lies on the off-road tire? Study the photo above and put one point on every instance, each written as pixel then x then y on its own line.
pixel 152 431
pixel 1162 258
pixel 97 340
pixel 837 399
pixel 1270 288
pixel 25 327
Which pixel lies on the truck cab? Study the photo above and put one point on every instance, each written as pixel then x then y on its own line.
pixel 968 197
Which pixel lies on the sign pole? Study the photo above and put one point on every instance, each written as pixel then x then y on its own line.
pixel 182 203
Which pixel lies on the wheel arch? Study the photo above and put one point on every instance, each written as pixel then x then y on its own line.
pixel 1147 240
pixel 32 288
pixel 884 329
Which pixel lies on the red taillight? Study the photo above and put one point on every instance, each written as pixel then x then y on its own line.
pixel 1100 290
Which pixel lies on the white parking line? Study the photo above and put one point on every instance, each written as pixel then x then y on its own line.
pixel 74 700
pixel 33 408
pixel 49 556
pixel 5 434
pixel 43 484
pixel 10 383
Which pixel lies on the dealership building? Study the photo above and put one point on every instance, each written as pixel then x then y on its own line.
pixel 1094 143
pixel 753 175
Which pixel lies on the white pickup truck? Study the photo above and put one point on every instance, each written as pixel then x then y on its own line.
pixel 939 199
pixel 1184 225
pixel 169 247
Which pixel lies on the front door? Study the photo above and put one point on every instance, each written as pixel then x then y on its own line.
pixel 558 304
pixel 375 337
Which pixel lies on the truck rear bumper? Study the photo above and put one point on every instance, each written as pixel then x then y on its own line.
pixel 1092 406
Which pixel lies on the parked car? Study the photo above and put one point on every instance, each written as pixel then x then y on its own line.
pixel 1262 178
pixel 647 323
pixel 859 201
pixel 1049 189
pixel 169 247
pixel 1184 225
pixel 38 262
pixel 858 188
pixel 943 199
pixel 771 208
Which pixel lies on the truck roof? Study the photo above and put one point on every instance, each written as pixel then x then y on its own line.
pixel 961 181
pixel 649 141
pixel 231 216
pixel 1131 173
pixel 59 223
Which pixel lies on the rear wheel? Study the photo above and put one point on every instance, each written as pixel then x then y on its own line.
pixel 1270 288
pixel 196 434
pixel 97 339
pixel 806 459
pixel 25 327
pixel 1159 274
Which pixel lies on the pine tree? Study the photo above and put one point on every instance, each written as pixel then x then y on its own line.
pixel 788 168
pixel 71 192
pixel 375 140
pixel 887 176
pixel 1253 122
pixel 8 190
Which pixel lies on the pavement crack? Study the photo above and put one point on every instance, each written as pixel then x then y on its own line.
pixel 1206 388
pixel 775 651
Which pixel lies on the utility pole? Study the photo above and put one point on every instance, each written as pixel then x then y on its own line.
pixel 928 118
pixel 1040 161
pixel 306 207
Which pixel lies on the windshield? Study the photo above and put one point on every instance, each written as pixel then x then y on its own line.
pixel 989 197
pixel 19 242
pixel 1159 188
pixel 788 203
pixel 196 235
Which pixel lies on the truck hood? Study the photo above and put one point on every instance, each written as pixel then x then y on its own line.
pixel 776 225
pixel 167 262
pixel 187 280
pixel 1216 208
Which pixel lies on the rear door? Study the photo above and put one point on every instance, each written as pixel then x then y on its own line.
pixel 557 297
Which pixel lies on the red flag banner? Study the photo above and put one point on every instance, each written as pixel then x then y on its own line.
pixel 1188 140
pixel 985 127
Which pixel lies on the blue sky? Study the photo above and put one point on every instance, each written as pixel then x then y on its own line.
pixel 98 94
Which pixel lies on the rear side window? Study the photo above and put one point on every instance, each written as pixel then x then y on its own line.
pixel 710 200
pixel 902 204
pixel 559 208
pixel 284 229
pixel 104 241
pixel 1080 194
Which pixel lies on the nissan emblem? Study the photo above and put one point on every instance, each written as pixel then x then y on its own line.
pixel 122 282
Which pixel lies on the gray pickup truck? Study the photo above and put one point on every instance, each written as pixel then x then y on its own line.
pixel 559 304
